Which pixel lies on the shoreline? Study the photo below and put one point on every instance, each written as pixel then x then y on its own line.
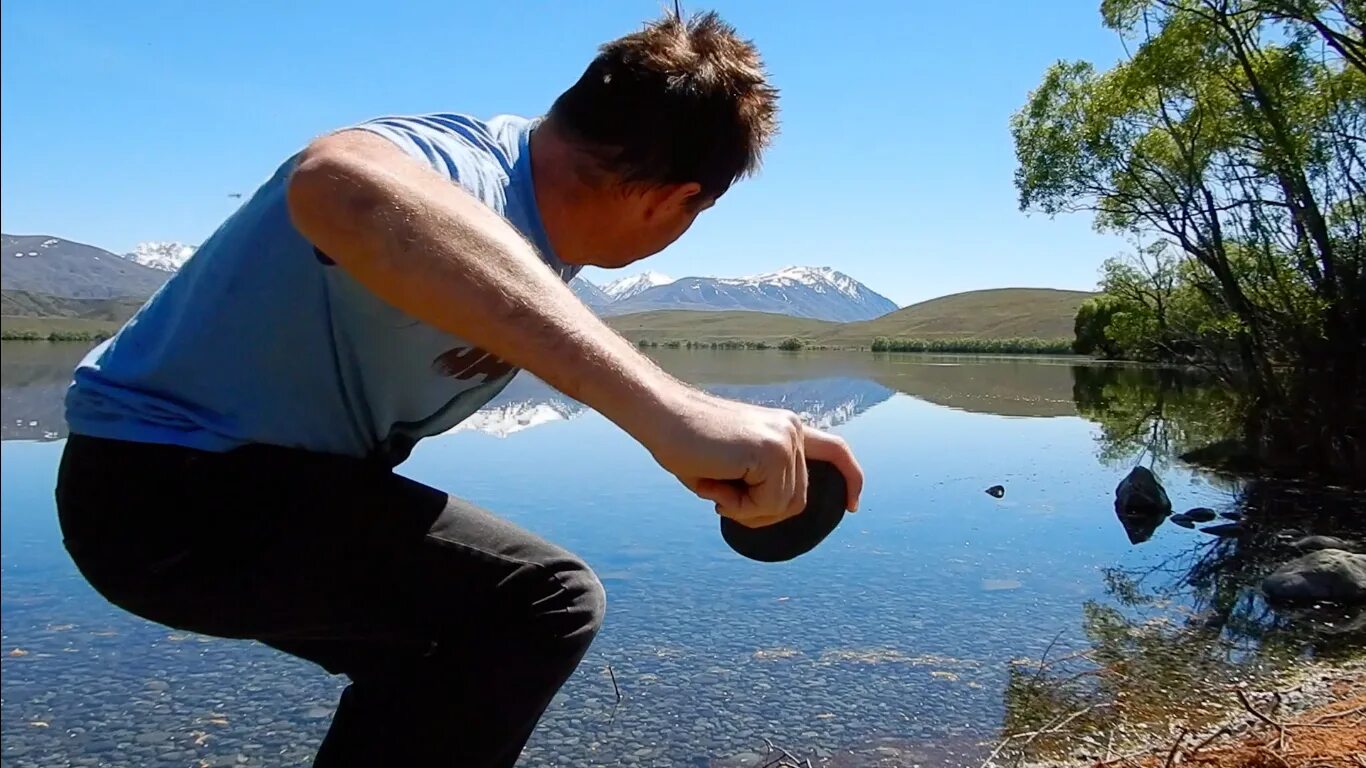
pixel 1315 715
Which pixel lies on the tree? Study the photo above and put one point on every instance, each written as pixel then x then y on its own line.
pixel 1232 133
pixel 1093 319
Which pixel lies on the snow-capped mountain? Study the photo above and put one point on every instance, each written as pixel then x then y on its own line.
pixel 589 293
pixel 163 255
pixel 52 266
pixel 816 292
pixel 626 287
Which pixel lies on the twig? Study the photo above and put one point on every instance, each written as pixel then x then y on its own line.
pixel 1176 749
pixel 615 689
pixel 784 759
pixel 1053 726
pixel 1280 759
pixel 1043 660
pixel 1331 716
pixel 1279 726
pixel 1223 731
pixel 1242 697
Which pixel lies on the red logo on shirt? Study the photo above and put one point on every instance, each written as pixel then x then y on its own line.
pixel 467 362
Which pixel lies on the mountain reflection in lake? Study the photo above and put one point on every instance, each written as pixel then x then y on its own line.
pixel 890 644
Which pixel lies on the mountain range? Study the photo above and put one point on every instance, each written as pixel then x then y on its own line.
pixel 51 266
pixel 52 277
pixel 818 293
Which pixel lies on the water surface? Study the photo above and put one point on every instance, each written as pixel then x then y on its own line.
pixel 890 644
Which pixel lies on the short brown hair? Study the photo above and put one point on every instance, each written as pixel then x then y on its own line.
pixel 677 102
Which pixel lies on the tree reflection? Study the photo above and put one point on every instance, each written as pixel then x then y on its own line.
pixel 1145 412
pixel 1172 638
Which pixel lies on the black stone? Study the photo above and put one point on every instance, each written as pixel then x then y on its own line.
pixel 826 495
pixel 997 491
pixel 1201 514
pixel 1224 529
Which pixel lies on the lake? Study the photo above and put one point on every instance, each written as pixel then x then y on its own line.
pixel 893 643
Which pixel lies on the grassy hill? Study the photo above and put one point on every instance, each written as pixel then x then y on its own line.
pixel 696 325
pixel 24 314
pixel 28 304
pixel 1002 313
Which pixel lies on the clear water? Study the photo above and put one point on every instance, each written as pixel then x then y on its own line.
pixel 890 644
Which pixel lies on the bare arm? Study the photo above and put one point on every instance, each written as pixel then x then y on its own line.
pixel 426 246
pixel 423 244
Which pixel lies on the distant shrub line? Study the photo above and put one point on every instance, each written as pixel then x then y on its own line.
pixel 792 344
pixel 885 344
pixel 30 335
pixel 982 346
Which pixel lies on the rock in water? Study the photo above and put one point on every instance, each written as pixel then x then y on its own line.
pixel 1234 515
pixel 1182 520
pixel 997 491
pixel 1328 574
pixel 1140 493
pixel 1227 530
pixel 1141 504
pixel 1201 514
pixel 1312 543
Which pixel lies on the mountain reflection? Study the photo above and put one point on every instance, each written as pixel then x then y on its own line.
pixel 35 378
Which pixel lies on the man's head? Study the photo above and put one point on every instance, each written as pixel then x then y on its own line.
pixel 659 126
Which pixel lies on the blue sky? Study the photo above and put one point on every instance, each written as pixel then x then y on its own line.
pixel 124 122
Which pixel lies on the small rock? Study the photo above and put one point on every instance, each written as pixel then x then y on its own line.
pixel 1182 520
pixel 1227 530
pixel 1140 493
pixel 1141 504
pixel 1231 515
pixel 152 737
pixel 1200 514
pixel 1327 574
pixel 996 491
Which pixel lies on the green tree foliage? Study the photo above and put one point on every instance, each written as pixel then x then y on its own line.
pixel 1233 137
pixel 1094 318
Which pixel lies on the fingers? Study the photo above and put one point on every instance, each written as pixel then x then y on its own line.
pixel 821 446
pixel 799 485
pixel 728 496
pixel 734 500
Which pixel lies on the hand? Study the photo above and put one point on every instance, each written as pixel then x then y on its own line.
pixel 748 460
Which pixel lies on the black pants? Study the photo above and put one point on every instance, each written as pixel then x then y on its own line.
pixel 455 628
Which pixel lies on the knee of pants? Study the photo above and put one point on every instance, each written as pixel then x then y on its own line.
pixel 578 603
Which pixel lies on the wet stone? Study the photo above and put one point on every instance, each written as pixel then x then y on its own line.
pixel 152 737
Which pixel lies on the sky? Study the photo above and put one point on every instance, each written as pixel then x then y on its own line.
pixel 125 122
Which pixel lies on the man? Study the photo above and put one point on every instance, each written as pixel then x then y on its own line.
pixel 230 469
